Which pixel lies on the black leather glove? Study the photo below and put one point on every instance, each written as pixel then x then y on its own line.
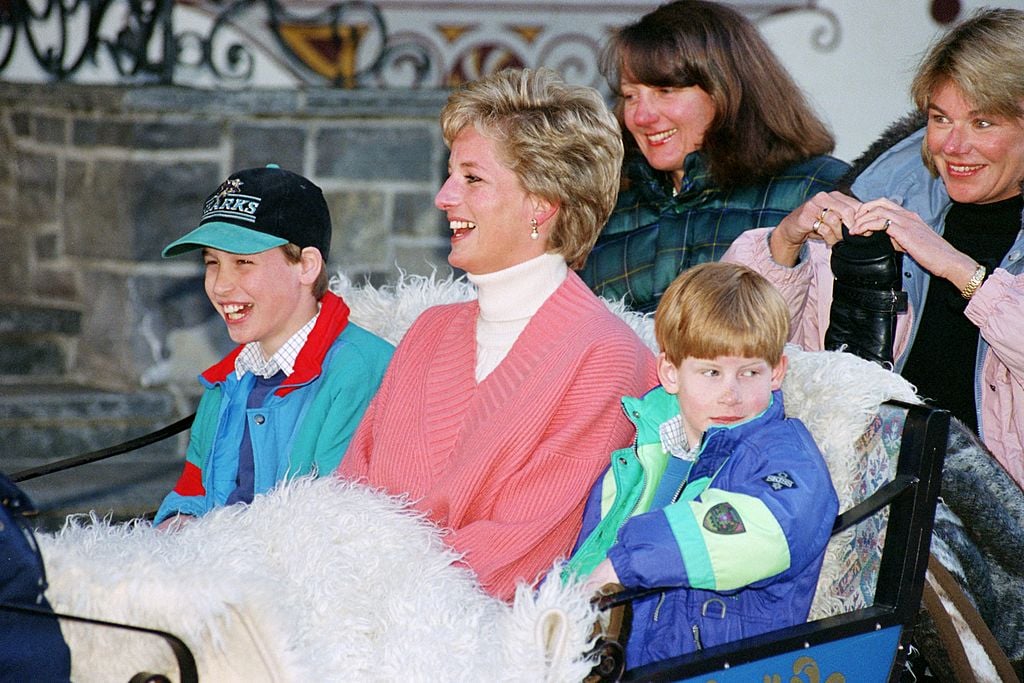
pixel 866 297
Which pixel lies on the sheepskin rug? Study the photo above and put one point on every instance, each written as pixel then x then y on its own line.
pixel 326 580
pixel 319 580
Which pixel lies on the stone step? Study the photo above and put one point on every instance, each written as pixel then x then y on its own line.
pixel 39 319
pixel 37 340
pixel 22 355
pixel 44 422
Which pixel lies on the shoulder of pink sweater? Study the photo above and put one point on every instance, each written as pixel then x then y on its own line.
pixel 585 311
pixel 445 311
pixel 438 316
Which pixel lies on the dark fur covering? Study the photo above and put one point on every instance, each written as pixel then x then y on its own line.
pixel 979 538
pixel 893 134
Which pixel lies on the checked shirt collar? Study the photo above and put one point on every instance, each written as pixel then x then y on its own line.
pixel 251 358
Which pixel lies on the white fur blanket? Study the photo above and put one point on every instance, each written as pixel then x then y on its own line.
pixel 323 580
pixel 320 580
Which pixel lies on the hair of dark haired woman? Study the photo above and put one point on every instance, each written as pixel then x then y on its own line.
pixel 763 122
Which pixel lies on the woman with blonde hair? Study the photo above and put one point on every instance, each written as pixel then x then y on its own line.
pixel 496 415
pixel 946 201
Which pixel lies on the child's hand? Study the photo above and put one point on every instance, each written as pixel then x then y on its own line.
pixel 603 574
pixel 174 523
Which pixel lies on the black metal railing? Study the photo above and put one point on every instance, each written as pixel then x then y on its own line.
pixel 345 44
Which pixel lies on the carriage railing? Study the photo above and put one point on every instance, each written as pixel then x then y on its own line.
pixel 186 663
pixel 187 670
pixel 104 453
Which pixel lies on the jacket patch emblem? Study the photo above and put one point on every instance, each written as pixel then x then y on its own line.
pixel 723 519
pixel 779 481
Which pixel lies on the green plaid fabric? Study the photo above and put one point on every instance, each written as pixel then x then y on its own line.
pixel 652 236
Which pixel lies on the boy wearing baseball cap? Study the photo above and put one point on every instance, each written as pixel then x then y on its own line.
pixel 286 401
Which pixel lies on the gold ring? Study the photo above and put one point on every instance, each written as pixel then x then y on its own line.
pixel 816 225
pixel 821 216
pixel 885 226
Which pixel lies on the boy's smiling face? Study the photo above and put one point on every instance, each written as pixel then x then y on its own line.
pixel 261 297
pixel 722 390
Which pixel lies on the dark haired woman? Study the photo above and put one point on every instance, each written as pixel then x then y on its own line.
pixel 720 140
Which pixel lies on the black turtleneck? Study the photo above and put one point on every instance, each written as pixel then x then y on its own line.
pixel 941 361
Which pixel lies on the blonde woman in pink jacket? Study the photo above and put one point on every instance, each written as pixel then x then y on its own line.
pixel 496 415
pixel 949 197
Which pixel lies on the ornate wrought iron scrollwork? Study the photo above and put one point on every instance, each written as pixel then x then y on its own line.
pixel 61 36
pixel 355 34
pixel 825 37
pixel 345 44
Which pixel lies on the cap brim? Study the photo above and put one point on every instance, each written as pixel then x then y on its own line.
pixel 225 237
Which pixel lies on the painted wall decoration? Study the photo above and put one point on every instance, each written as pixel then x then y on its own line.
pixel 348 44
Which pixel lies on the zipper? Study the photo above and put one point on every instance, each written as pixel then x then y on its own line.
pixel 636 502
pixel 643 472
pixel 657 609
pixel 696 637
pixel 679 491
pixel 696 459
pixel 711 479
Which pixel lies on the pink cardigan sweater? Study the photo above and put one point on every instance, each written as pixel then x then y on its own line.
pixel 505 464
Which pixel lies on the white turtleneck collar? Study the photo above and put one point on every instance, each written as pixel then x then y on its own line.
pixel 518 291
pixel 507 300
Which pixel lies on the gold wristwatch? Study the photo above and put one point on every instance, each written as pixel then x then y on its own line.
pixel 972 285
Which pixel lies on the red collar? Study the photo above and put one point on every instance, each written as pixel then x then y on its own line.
pixel 332 321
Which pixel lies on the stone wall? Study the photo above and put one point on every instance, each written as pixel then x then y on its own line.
pixel 94 181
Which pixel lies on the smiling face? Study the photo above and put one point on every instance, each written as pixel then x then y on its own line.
pixel 979 157
pixel 667 123
pixel 719 391
pixel 488 210
pixel 261 297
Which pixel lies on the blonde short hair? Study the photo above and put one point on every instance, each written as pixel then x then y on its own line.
pixel 560 140
pixel 721 309
pixel 983 57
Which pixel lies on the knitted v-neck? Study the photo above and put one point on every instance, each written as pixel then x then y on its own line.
pixel 453 372
pixel 505 463
pixel 507 300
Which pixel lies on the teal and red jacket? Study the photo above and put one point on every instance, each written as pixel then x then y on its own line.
pixel 304 425
pixel 741 538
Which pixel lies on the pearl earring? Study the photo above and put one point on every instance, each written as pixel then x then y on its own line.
pixel 533 229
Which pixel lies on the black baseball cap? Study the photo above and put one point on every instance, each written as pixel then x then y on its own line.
pixel 258 209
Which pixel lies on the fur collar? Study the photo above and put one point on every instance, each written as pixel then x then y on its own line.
pixel 896 131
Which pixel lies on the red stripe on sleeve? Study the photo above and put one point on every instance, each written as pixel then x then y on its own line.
pixel 191 482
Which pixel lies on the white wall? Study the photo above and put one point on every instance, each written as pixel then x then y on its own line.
pixel 859 86
pixel 863 84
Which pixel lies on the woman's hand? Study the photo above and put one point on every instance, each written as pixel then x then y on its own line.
pixel 910 234
pixel 820 217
